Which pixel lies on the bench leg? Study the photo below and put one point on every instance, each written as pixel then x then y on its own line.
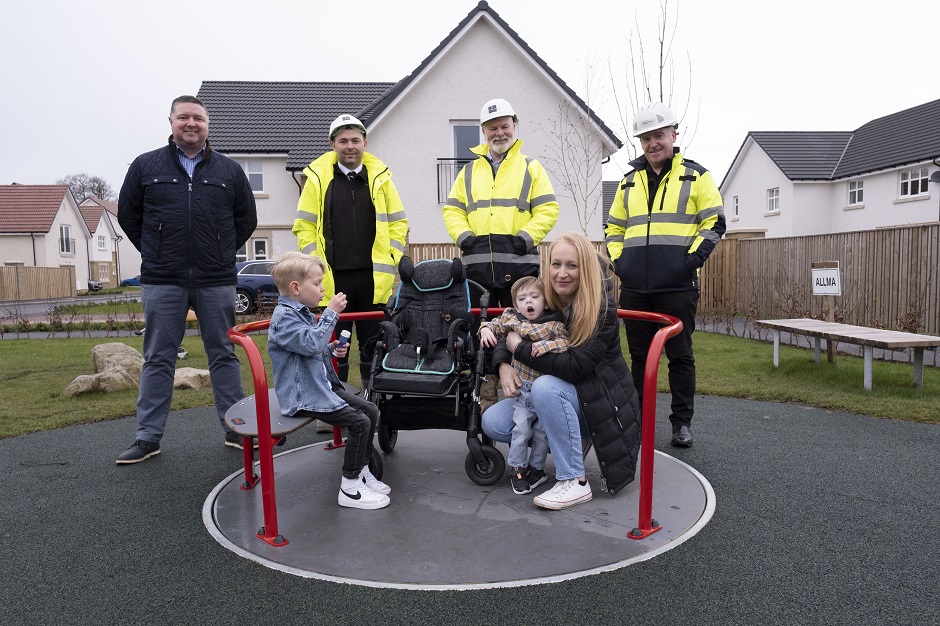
pixel 776 334
pixel 918 367
pixel 868 352
pixel 816 349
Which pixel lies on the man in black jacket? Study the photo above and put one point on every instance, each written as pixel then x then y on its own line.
pixel 188 210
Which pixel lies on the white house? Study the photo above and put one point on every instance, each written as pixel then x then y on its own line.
pixel 42 226
pixel 109 243
pixel 420 126
pixel 886 173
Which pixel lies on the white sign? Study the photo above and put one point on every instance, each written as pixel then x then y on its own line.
pixel 826 281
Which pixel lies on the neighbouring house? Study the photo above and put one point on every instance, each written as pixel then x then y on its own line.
pixel 421 126
pixel 42 226
pixel 123 256
pixel 884 174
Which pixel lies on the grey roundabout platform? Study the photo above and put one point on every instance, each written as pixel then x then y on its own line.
pixel 441 530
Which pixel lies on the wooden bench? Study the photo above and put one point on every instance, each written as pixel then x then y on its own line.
pixel 868 338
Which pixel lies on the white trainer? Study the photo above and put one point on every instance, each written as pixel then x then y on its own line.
pixel 361 497
pixel 565 493
pixel 374 483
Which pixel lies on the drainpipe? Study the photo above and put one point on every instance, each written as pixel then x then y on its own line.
pixel 300 188
pixel 935 178
pixel 32 237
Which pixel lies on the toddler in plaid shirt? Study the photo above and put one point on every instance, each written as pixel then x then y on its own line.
pixel 547 333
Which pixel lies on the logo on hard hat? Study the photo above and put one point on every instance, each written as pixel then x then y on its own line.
pixel 491 109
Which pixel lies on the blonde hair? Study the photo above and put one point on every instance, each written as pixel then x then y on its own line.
pixel 292 266
pixel 525 281
pixel 589 299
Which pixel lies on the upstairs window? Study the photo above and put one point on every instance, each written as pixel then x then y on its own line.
pixel 66 243
pixel 734 208
pixel 773 200
pixel 856 193
pixel 913 183
pixel 255 174
pixel 102 242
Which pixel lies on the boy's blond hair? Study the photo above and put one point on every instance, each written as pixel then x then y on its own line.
pixel 292 266
pixel 526 281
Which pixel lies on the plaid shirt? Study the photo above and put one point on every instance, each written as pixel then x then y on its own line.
pixel 551 334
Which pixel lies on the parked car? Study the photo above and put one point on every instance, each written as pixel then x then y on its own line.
pixel 254 282
pixel 131 282
pixel 94 285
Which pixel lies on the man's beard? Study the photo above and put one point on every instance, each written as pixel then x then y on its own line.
pixel 503 148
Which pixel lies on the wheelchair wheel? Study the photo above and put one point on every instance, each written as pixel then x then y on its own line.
pixel 491 471
pixel 387 438
pixel 375 464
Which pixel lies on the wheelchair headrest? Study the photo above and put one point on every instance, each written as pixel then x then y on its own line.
pixel 431 275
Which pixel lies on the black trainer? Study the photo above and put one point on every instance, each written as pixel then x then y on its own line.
pixel 140 451
pixel 682 437
pixel 535 477
pixel 520 484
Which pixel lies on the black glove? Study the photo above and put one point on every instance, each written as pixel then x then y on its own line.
pixel 520 246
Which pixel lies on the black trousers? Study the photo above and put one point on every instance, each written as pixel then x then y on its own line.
pixel 358 418
pixel 359 287
pixel 682 305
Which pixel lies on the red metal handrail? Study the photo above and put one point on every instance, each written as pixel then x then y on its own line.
pixel 646 525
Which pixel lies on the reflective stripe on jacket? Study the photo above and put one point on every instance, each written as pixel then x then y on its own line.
pixel 659 246
pixel 484 213
pixel 391 223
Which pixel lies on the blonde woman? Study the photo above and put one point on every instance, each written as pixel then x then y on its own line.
pixel 586 390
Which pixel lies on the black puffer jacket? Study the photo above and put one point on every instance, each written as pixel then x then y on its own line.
pixel 187 231
pixel 605 389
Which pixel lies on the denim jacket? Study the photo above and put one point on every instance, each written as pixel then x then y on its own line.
pixel 298 344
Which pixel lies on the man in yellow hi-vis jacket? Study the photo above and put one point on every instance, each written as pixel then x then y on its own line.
pixel 665 220
pixel 500 207
pixel 351 216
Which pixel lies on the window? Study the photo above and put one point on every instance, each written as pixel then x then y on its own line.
pixel 242 253
pixel 102 242
pixel 66 243
pixel 856 193
pixel 255 174
pixel 260 248
pixel 465 137
pixel 773 200
pixel 734 208
pixel 104 272
pixel 913 182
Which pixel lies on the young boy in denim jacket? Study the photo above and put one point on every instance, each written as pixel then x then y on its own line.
pixel 547 332
pixel 304 380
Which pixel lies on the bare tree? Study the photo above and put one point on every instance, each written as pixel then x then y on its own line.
pixel 574 158
pixel 650 75
pixel 85 186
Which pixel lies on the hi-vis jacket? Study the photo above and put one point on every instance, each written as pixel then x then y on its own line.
pixel 658 244
pixel 391 223
pixel 498 222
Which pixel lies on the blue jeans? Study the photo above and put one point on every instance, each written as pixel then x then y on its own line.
pixel 527 429
pixel 556 403
pixel 165 310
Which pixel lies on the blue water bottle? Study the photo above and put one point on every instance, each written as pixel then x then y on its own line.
pixel 343 340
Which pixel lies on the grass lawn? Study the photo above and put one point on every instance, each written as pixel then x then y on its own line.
pixel 35 371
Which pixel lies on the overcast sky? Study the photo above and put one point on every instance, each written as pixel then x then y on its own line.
pixel 87 85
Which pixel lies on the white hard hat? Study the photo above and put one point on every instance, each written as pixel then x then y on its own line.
pixel 653 117
pixel 496 108
pixel 343 121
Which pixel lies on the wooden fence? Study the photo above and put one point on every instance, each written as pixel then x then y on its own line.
pixel 889 277
pixel 19 282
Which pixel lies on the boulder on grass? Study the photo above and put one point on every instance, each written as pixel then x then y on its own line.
pixel 116 354
pixel 113 379
pixel 191 378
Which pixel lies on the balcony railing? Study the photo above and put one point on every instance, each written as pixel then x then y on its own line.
pixel 447 170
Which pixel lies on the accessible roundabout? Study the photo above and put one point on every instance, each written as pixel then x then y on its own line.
pixel 444 532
